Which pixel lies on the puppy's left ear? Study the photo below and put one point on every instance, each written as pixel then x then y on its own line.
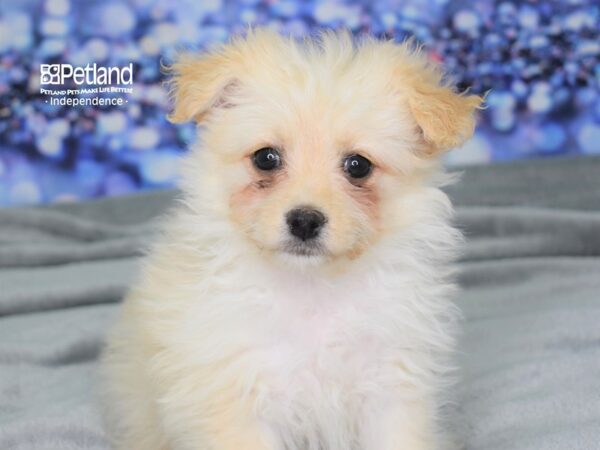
pixel 446 118
pixel 199 83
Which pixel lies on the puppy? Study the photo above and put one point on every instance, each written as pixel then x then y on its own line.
pixel 298 298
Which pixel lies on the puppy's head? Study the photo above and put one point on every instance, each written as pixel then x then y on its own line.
pixel 309 148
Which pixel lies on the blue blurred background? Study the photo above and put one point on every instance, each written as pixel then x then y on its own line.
pixel 541 61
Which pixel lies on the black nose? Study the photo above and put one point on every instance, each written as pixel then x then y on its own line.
pixel 305 223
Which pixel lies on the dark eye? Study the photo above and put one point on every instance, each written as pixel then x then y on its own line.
pixel 266 159
pixel 357 166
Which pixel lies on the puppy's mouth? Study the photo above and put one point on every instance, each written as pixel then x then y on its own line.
pixel 301 248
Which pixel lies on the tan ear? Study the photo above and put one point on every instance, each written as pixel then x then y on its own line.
pixel 198 83
pixel 446 118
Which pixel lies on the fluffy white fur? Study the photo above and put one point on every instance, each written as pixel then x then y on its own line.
pixel 227 342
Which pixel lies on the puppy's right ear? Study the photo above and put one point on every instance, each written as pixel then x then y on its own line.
pixel 199 83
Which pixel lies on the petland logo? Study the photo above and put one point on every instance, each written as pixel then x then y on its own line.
pixel 110 81
pixel 59 73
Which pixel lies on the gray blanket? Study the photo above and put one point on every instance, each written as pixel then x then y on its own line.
pixel 530 352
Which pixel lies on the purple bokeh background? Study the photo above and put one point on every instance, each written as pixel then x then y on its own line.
pixel 541 61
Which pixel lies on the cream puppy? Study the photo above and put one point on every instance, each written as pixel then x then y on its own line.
pixel 298 298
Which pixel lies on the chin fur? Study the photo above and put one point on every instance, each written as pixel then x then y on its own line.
pixel 301 260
